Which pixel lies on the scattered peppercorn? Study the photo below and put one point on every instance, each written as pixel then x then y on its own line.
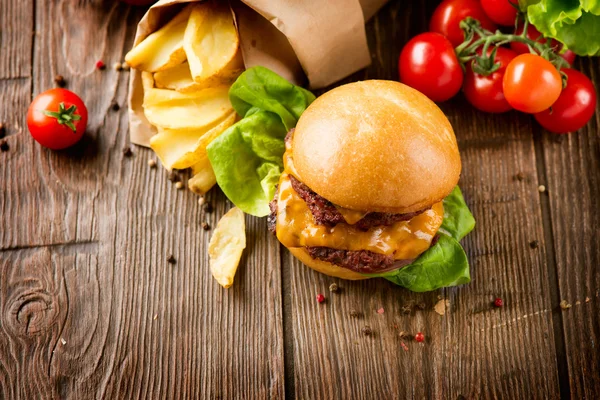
pixel 117 66
pixel 404 346
pixel 179 185
pixel 565 305
pixel 334 288
pixel 421 306
pixel 380 311
pixel 127 152
pixel 171 259
pixel 354 313
pixel 201 201
pixel 498 302
pixel 320 298
pixel 208 208
pixel 534 244
pixel 406 309
pixel 205 226
pixel 541 188
pixel 173 176
pixel 2 130
pixel 125 66
pixel 367 331
pixel 100 65
pixel 3 145
pixel 520 176
pixel 152 163
pixel 419 337
pixel 60 81
pixel 115 106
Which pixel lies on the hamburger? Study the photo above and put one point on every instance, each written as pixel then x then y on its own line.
pixel 369 188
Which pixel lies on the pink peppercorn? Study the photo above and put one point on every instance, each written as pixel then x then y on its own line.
pixel 320 298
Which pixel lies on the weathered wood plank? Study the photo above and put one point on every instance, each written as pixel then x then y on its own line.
pixel 133 324
pixel 16 38
pixel 473 350
pixel 572 176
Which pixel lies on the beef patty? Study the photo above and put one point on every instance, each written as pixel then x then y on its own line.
pixel 362 261
pixel 325 212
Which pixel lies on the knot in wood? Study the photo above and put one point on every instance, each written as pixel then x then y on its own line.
pixel 31 312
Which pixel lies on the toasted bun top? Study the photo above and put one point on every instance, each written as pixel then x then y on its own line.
pixel 376 146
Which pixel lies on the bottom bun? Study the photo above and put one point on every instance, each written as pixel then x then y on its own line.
pixel 325 267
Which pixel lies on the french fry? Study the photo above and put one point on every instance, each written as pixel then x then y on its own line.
pixel 177 78
pixel 211 44
pixel 203 178
pixel 147 81
pixel 162 49
pixel 169 109
pixel 182 148
pixel 226 246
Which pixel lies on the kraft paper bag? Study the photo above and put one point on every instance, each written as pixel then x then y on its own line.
pixel 310 43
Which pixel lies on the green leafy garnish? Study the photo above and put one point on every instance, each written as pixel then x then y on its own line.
pixel 444 264
pixel 248 157
pixel 575 23
pixel 458 220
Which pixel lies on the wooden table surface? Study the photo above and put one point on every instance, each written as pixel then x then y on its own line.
pixel 90 307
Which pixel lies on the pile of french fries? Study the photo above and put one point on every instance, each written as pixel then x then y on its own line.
pixel 187 68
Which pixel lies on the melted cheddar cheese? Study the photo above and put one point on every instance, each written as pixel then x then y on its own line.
pixel 296 226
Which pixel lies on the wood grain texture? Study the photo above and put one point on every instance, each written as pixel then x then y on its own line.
pixel 572 177
pixel 474 350
pixel 92 308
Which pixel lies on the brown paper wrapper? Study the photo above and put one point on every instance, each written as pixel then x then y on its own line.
pixel 304 41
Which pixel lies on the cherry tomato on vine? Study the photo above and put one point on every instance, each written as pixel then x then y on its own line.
pixel 502 12
pixel 429 64
pixel 57 118
pixel 485 92
pixel 575 106
pixel 447 16
pixel 534 34
pixel 568 56
pixel 531 83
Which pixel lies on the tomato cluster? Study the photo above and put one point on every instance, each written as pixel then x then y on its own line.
pixel 497 71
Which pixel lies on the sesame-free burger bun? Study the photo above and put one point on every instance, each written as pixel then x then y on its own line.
pixel 325 267
pixel 376 146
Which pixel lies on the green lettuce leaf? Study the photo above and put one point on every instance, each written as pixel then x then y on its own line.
pixel 248 157
pixel 444 264
pixel 575 23
pixel 458 220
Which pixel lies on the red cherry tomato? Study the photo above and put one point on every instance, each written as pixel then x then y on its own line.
pixel 502 12
pixel 574 108
pixel 428 63
pixel 57 118
pixel 447 16
pixel 531 83
pixel 485 92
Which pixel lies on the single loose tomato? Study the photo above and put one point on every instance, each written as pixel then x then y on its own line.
pixel 502 12
pixel 429 64
pixel 485 92
pixel 574 107
pixel 57 118
pixel 447 16
pixel 531 83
